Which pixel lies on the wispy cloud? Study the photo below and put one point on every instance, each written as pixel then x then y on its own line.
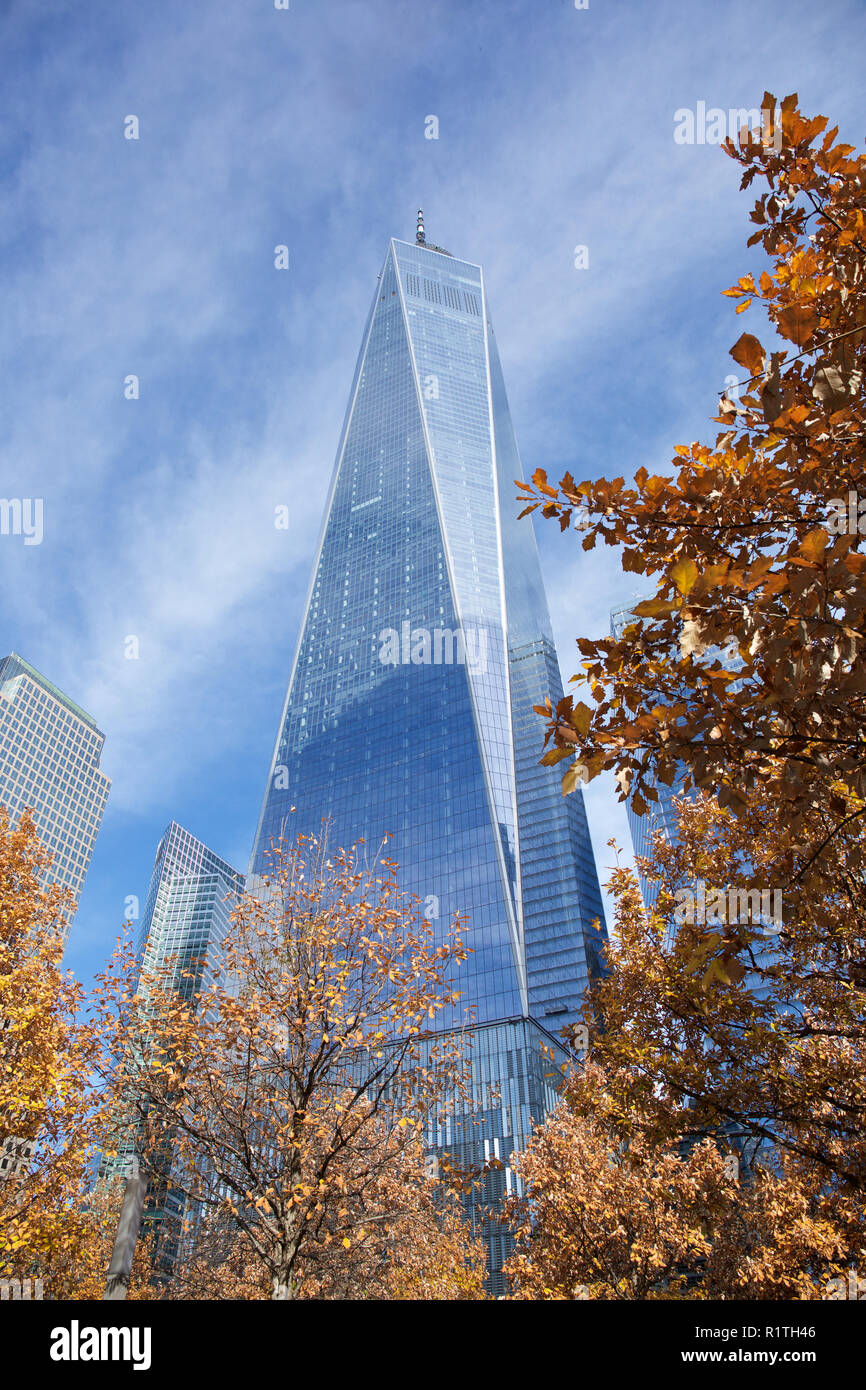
pixel 155 258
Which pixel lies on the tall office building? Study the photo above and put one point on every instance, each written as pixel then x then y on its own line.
pixel 49 762
pixel 425 642
pixel 186 916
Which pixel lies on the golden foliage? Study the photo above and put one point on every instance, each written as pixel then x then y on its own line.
pixel 56 1048
pixel 294 1093
pixel 747 667
pixel 714 1145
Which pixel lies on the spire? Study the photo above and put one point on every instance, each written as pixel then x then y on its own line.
pixel 421 239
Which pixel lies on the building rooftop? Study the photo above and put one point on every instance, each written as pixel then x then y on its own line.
pixel 49 686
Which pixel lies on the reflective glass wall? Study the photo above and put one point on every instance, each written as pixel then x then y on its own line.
pixel 425 643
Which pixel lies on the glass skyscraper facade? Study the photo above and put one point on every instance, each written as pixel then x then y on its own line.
pixel 186 916
pixel 425 642
pixel 49 763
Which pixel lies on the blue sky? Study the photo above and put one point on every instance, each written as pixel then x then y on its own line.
pixel 155 257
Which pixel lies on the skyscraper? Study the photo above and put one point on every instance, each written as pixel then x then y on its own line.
pixel 186 915
pixel 425 642
pixel 49 762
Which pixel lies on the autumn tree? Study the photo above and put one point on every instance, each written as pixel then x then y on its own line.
pixel 715 1146
pixel 408 1239
pixel 608 1213
pixel 85 1257
pixel 617 1213
pixel 57 1046
pixel 756 542
pixel 293 1091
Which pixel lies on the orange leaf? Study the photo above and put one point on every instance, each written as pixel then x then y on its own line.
pixel 814 544
pixel 749 353
pixel 580 717
pixel 798 322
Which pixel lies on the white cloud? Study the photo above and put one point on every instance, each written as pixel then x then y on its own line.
pixel 156 257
